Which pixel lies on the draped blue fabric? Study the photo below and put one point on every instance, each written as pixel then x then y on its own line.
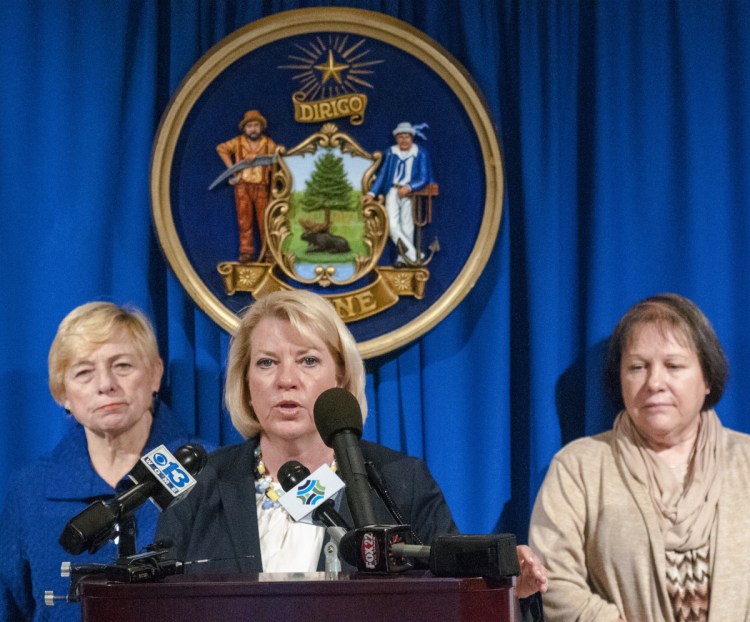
pixel 625 128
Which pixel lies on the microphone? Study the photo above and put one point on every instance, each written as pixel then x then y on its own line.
pixel 338 418
pixel 293 473
pixel 370 549
pixel 159 476
pixel 385 549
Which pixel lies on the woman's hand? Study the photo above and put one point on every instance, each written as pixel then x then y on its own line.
pixel 533 577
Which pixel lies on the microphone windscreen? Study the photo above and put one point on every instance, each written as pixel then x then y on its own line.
pixel 335 410
pixel 349 548
pixel 192 457
pixel 292 473
pixel 493 556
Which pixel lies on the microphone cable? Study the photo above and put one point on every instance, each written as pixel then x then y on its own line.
pixel 377 481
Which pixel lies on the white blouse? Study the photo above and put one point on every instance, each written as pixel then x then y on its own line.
pixel 286 545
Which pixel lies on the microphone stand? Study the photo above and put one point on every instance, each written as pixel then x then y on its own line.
pixel 129 567
pixel 126 536
pixel 377 481
pixel 332 560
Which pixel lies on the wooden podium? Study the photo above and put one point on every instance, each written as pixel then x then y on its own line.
pixel 310 597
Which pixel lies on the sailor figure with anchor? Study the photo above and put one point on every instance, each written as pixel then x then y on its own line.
pixel 406 170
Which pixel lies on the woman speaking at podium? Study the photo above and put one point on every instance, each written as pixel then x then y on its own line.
pixel 290 347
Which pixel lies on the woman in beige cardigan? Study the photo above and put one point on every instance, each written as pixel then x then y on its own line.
pixel 650 520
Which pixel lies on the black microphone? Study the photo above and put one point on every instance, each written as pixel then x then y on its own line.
pixel 386 549
pixel 91 528
pixel 292 473
pixel 338 418
pixel 370 549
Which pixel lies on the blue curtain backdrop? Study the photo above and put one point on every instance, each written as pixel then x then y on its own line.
pixel 625 128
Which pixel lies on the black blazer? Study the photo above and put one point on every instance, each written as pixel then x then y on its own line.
pixel 217 521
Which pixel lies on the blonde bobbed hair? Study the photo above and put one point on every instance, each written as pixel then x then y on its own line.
pixel 88 327
pixel 312 316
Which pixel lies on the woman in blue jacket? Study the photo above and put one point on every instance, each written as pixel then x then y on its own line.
pixel 105 370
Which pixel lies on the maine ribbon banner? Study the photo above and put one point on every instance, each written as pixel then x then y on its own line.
pixel 332 149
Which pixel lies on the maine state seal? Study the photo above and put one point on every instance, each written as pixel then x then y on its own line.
pixel 337 150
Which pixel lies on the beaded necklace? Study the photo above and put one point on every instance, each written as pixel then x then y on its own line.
pixel 264 481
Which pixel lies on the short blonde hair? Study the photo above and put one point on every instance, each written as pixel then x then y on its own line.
pixel 89 326
pixel 310 315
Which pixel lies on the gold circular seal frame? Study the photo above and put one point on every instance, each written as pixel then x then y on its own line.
pixel 345 20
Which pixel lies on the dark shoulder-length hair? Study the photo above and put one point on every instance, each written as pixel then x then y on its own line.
pixel 675 312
